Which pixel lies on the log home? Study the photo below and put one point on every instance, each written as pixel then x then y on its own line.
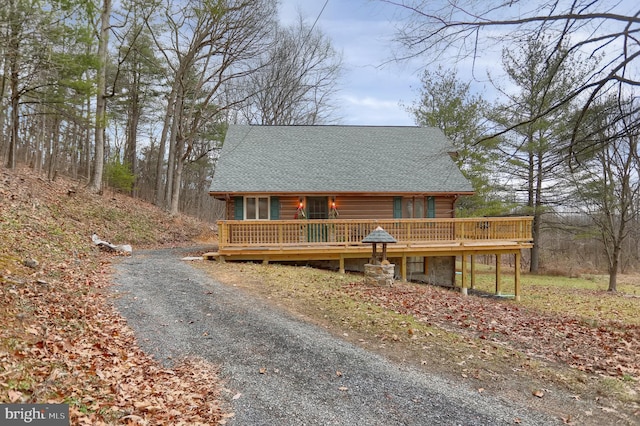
pixel 312 193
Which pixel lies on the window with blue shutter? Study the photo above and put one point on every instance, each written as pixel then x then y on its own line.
pixel 431 207
pixel 397 207
pixel 275 208
pixel 238 208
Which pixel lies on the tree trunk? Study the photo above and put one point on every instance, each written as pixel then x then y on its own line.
pixel 613 270
pixel 135 111
pixel 101 101
pixel 532 205
pixel 15 120
pixel 14 49
pixel 3 110
pixel 159 193
pixel 55 142
pixel 173 144
pixel 132 135
pixel 535 250
pixel 87 143
pixel 177 179
pixel 37 164
pixel 75 150
pixel 537 215
pixel 132 139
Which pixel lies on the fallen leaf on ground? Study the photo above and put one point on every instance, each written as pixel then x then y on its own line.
pixel 14 395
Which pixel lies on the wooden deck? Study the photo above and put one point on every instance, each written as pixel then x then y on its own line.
pixel 312 240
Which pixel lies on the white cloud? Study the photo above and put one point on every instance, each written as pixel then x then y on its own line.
pixel 373 111
pixel 369 102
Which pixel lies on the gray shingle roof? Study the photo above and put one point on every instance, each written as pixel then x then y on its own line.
pixel 336 159
pixel 379 235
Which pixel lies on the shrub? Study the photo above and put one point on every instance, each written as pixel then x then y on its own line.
pixel 119 176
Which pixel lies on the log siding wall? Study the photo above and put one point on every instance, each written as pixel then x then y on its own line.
pixel 357 207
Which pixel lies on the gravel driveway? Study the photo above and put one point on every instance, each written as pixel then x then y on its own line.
pixel 279 369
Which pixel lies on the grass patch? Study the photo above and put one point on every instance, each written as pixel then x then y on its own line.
pixel 584 297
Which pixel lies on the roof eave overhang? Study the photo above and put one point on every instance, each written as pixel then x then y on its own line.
pixel 227 195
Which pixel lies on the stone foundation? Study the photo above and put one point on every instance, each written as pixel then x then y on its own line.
pixel 379 275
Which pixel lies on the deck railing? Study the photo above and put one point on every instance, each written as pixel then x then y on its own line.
pixel 281 233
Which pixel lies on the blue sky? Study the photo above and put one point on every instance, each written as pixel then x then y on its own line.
pixel 370 93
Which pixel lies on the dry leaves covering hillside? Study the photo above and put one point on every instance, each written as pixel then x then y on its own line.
pixel 610 348
pixel 61 341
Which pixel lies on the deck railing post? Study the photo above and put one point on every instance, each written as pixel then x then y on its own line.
pixel 222 232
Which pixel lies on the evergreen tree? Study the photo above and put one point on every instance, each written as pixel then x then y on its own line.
pixel 448 104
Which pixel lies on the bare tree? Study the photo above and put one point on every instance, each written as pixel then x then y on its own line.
pixel 295 80
pixel 136 83
pixel 467 28
pixel 212 46
pixel 5 30
pixel 607 181
pixel 101 96
pixel 13 53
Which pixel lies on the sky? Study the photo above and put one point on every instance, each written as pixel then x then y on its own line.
pixel 375 91
pixel 371 93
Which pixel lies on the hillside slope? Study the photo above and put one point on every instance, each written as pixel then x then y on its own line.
pixel 61 340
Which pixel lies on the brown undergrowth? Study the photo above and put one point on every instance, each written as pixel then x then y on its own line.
pixel 61 340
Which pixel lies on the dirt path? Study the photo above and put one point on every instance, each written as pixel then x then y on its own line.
pixel 281 370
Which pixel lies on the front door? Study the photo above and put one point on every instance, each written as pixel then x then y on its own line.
pixel 317 208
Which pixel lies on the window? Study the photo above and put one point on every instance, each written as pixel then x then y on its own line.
pixel 256 208
pixel 418 207
pixel 408 208
pixel 318 207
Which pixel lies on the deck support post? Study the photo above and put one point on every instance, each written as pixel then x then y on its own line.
pixel 341 263
pixel 403 267
pixel 498 274
pixel 517 275
pixel 464 289
pixel 265 261
pixel 473 271
pixel 221 259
